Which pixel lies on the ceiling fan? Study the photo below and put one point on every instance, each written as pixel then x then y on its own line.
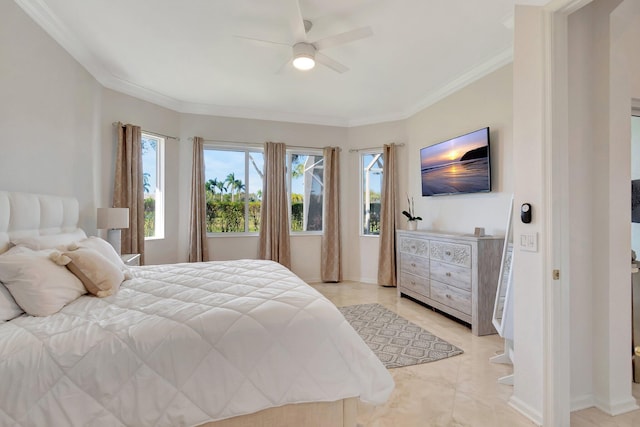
pixel 305 54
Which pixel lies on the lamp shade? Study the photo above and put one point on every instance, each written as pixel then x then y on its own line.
pixel 113 218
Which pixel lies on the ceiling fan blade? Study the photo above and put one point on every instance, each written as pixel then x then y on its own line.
pixel 253 39
pixel 296 22
pixel 342 38
pixel 331 63
pixel 284 66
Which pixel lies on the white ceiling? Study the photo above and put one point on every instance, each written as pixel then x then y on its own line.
pixel 184 54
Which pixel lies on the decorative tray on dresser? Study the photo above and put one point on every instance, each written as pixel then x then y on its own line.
pixel 454 273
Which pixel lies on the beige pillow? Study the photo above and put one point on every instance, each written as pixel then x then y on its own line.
pixel 39 286
pixel 99 276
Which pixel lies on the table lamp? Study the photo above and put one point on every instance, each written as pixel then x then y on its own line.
pixel 113 219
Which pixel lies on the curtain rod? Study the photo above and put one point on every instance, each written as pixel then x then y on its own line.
pixel 355 150
pixel 153 133
pixel 259 144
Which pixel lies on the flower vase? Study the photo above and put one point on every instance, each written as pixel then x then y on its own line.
pixel 412 225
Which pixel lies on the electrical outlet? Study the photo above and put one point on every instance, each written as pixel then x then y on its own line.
pixel 529 242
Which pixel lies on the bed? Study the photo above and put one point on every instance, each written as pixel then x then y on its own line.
pixel 219 344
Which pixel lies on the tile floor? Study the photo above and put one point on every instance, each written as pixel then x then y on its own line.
pixel 458 391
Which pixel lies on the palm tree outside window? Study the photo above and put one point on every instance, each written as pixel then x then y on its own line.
pixel 233 189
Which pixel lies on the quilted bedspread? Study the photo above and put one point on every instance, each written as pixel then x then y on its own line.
pixel 181 345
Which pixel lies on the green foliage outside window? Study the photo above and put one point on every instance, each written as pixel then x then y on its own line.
pixel 149 217
pixel 374 219
pixel 233 206
pixel 228 217
pixel 296 216
pixel 225 207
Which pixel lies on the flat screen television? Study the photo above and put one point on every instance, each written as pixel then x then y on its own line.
pixel 457 166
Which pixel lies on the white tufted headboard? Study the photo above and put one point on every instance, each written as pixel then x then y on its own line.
pixel 26 214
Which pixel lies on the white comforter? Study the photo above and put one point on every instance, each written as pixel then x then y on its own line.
pixel 184 344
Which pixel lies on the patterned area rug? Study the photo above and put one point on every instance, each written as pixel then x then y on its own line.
pixel 396 341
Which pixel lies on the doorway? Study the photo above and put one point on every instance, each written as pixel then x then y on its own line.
pixel 635 180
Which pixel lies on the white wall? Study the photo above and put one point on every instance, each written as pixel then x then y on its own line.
pixel 615 396
pixel 49 116
pixel 529 182
pixel 486 102
pixel 602 47
pixel 583 152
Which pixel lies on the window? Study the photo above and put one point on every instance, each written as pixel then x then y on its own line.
pixel 371 167
pixel 153 182
pixel 306 188
pixel 233 189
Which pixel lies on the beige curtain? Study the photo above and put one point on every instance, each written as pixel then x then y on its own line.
pixel 198 250
pixel 274 212
pixel 128 189
pixel 330 262
pixel 388 220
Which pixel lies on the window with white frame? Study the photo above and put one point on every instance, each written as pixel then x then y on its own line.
pixel 153 182
pixel 306 189
pixel 233 189
pixel 371 170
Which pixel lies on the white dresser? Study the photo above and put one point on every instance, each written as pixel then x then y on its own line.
pixel 454 273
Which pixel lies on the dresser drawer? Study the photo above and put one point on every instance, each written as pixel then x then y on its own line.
pixel 451 296
pixel 414 264
pixel 414 246
pixel 451 274
pixel 415 283
pixel 453 253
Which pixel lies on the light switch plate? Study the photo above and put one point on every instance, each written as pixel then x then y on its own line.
pixel 529 242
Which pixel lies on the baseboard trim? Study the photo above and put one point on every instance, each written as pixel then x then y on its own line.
pixel 362 280
pixel 582 402
pixel 617 408
pixel 526 410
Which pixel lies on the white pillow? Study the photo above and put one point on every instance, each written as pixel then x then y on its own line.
pixel 8 307
pixel 39 286
pixel 103 247
pixel 49 241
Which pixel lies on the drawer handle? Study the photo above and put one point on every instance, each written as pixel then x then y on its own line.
pixel 448 274
pixel 413 283
pixel 448 296
pixel 447 253
pixel 413 264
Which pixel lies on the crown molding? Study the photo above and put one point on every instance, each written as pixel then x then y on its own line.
pixel 136 91
pixel 566 7
pixel 477 72
pixel 503 58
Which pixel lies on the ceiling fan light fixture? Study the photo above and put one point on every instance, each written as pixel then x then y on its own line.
pixel 304 63
pixel 304 56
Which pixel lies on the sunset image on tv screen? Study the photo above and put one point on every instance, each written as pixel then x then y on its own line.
pixel 459 165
